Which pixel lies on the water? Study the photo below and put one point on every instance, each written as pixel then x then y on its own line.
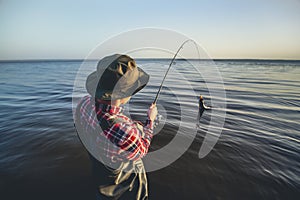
pixel 257 155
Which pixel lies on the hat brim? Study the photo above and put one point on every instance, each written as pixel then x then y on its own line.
pixel 97 92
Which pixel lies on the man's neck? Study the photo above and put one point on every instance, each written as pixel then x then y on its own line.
pixel 116 103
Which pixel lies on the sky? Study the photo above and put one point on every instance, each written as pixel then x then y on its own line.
pixel 68 29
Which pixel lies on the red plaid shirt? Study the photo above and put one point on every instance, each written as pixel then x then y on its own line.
pixel 121 138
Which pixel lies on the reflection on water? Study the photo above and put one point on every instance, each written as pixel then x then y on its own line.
pixel 257 155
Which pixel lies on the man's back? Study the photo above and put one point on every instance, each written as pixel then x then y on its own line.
pixel 116 156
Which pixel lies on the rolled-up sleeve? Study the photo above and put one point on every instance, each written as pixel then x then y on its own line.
pixel 132 141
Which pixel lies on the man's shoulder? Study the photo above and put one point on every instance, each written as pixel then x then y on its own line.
pixel 84 101
pixel 116 119
pixel 83 106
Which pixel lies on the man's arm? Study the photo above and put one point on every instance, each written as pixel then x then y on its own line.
pixel 135 142
pixel 132 140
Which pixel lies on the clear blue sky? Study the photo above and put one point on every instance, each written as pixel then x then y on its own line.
pixel 37 29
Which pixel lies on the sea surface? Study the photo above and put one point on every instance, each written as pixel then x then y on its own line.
pixel 256 156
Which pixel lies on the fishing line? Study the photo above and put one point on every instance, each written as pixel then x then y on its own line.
pixel 172 61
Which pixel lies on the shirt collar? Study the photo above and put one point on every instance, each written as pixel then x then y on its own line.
pixel 109 108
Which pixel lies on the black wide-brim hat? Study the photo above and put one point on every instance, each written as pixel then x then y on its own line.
pixel 116 77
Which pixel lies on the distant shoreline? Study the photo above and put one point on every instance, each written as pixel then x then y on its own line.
pixel 157 59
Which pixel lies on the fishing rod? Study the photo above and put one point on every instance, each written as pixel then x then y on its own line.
pixel 202 107
pixel 172 61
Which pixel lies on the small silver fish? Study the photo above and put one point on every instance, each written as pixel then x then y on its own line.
pixel 202 107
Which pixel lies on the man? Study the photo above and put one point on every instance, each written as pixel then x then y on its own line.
pixel 115 142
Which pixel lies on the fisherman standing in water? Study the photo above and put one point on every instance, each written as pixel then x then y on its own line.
pixel 119 141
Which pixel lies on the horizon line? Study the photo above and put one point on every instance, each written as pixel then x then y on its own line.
pixel 205 59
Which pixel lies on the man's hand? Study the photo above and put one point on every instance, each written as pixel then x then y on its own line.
pixel 152 112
